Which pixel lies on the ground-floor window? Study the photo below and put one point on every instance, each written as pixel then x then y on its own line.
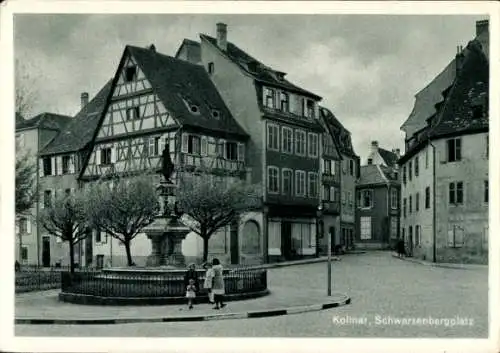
pixel 302 235
pixel 99 259
pixel 366 228
pixel 394 228
pixel 24 253
pixel 455 236
pixel 418 241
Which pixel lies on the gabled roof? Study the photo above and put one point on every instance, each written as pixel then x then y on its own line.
pixel 258 70
pixel 429 96
pixel 340 134
pixel 390 158
pixel 371 175
pixel 455 114
pixel 80 132
pixel 179 83
pixel 44 121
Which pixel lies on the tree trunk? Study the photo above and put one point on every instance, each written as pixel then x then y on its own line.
pixel 71 256
pixel 205 248
pixel 129 255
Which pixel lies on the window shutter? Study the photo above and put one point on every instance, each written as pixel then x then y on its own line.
pixel 450 237
pixel 17 228
pixel 40 167
pixel 323 167
pixel 203 147
pixel 98 156
pixel 113 154
pixel 28 224
pixel 241 151
pixel 151 147
pixel 59 166
pixel 161 145
pixel 185 142
pixel 72 164
pixel 53 166
pixel 171 143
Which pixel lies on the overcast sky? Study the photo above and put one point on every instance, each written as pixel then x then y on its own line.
pixel 366 68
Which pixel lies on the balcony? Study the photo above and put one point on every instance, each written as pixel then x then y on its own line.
pixel 331 207
pixel 330 179
pixel 196 161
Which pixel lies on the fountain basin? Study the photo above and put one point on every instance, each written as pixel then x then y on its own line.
pixel 154 286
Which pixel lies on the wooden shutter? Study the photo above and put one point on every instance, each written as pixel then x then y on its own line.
pixel 59 165
pixel 113 154
pixel 97 156
pixel 185 142
pixel 241 151
pixel 203 147
pixel 53 166
pixel 28 224
pixel 151 146
pixel 72 164
pixel 40 167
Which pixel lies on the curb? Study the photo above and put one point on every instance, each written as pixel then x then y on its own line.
pixel 304 262
pixel 208 317
pixel 442 265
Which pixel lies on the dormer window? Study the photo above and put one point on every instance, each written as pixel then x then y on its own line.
pixel 130 73
pixel 210 68
pixel 268 97
pixel 194 109
pixel 215 114
pixel 308 108
pixel 284 102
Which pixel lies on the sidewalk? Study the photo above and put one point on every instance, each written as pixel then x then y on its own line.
pixel 442 264
pixel 44 308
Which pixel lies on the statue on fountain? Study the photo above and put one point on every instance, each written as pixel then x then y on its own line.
pixel 167 232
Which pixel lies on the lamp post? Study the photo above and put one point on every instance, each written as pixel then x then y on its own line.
pixel 329 250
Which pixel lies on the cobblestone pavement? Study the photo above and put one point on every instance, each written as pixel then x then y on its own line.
pixel 382 289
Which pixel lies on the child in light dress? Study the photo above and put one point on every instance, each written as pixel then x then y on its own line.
pixel 191 293
pixel 209 278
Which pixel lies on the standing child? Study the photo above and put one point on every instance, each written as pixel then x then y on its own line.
pixel 191 293
pixel 209 279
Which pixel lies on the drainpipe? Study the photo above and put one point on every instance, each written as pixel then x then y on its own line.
pixel 434 213
pixel 37 209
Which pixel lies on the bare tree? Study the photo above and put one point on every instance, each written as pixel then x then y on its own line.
pixel 122 207
pixel 26 94
pixel 65 218
pixel 25 183
pixel 211 203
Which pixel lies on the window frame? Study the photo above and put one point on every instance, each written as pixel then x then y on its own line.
pixel 105 156
pixel 273 143
pixel 303 144
pixel 285 130
pixel 290 172
pixel 454 145
pixel 312 137
pixel 269 96
pixel 311 177
pixel 284 100
pixel 363 192
pixel 394 198
pixel 363 226
pixel 300 174
pixel 275 169
pixel 456 192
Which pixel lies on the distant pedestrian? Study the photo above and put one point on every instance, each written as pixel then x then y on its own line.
pixel 191 293
pixel 400 247
pixel 209 279
pixel 218 287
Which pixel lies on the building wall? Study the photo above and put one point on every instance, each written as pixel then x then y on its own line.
pixel 242 102
pixel 347 205
pixel 472 216
pixel 424 216
pixel 379 215
pixel 28 143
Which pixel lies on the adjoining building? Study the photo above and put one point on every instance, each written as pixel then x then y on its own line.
pixel 32 135
pixel 349 167
pixel 445 165
pixel 284 148
pixel 378 192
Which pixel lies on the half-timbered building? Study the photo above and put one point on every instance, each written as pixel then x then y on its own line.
pixel 157 102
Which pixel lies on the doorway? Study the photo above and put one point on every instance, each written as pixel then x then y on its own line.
pixel 286 240
pixel 46 251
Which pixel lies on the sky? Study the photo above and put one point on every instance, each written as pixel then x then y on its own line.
pixel 367 68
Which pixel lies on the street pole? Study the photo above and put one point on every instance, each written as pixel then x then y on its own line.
pixel 329 270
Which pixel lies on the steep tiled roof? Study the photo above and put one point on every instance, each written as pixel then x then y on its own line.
pixel 340 134
pixel 80 132
pixel 258 70
pixel 389 157
pixel 371 174
pixel 456 114
pixel 44 121
pixel 178 81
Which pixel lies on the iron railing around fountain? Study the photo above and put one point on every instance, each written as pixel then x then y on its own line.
pixel 167 284
pixel 34 278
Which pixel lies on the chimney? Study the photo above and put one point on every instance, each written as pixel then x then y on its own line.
pixel 374 148
pixel 481 27
pixel 222 36
pixel 84 98
pixel 459 58
pixel 396 151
